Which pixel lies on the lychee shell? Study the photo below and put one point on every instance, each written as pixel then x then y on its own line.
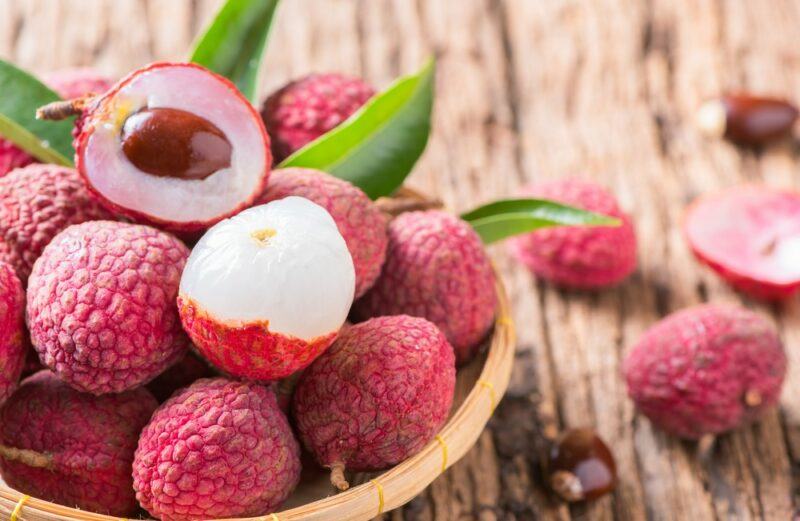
pixel 101 305
pixel 13 348
pixel 706 370
pixel 360 222
pixel 216 449
pixel 91 440
pixel 436 268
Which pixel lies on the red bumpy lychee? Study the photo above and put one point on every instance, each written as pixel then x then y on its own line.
pixel 36 203
pixel 72 448
pixel 360 222
pixel 436 268
pixel 377 396
pixel 579 257
pixel 706 370
pixel 307 108
pixel 12 330
pixel 101 305
pixel 749 235
pixel 216 449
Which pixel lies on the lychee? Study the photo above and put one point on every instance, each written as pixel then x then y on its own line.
pixel 36 203
pixel 77 82
pixel 171 144
pixel 706 370
pixel 377 396
pixel 12 330
pixel 101 305
pixel 11 157
pixel 266 291
pixel 750 235
pixel 360 222
pixel 308 107
pixel 185 372
pixel 436 268
pixel 579 257
pixel 72 448
pixel 216 449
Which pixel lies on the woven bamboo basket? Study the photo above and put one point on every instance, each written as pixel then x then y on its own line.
pixel 480 385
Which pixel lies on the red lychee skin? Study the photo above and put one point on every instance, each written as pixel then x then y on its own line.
pixel 309 107
pixel 77 82
pixel 579 257
pixel 216 449
pixel 11 157
pixel 101 305
pixel 36 203
pixel 185 372
pixel 735 231
pixel 436 268
pixel 360 222
pixel 13 348
pixel 706 370
pixel 91 440
pixel 378 395
pixel 97 110
pixel 248 351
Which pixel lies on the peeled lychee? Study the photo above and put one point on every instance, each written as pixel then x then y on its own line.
pixel 579 257
pixel 216 449
pixel 307 108
pixel 266 291
pixel 749 235
pixel 360 222
pixel 706 370
pixel 12 330
pixel 101 305
pixel 72 448
pixel 11 157
pixel 77 82
pixel 436 268
pixel 377 396
pixel 36 203
pixel 185 372
pixel 171 144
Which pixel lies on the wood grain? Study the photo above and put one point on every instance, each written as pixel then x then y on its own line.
pixel 532 90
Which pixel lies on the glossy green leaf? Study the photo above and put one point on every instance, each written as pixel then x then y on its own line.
pixel 234 44
pixel 22 94
pixel 376 148
pixel 502 219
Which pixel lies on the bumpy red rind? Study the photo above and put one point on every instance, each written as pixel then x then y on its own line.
pixel 13 347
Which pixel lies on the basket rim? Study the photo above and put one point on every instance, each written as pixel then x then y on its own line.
pixel 391 488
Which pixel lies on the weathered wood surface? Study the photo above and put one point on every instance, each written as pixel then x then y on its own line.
pixel 534 89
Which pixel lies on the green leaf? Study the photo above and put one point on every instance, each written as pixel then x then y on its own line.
pixel 376 148
pixel 234 44
pixel 22 94
pixel 502 219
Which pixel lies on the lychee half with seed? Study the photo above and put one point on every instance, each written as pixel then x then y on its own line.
pixel 171 144
pixel 216 449
pixel 36 203
pixel 360 222
pixel 101 305
pixel 309 107
pixel 377 396
pixel 266 291
pixel 706 370
pixel 73 448
pixel 436 268
pixel 749 235
pixel 13 348
pixel 579 257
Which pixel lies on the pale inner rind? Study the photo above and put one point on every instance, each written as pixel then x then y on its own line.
pixel 168 198
pixel 284 262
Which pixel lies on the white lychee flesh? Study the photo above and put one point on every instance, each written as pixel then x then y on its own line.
pixel 284 262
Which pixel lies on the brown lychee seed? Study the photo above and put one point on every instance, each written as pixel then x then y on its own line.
pixel 581 466
pixel 747 119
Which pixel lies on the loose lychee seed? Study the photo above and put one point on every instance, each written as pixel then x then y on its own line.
pixel 175 143
pixel 582 466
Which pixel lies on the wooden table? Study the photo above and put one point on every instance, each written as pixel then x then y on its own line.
pixel 535 89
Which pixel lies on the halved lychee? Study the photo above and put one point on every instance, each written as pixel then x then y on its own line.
pixel 266 291
pixel 171 144
pixel 750 235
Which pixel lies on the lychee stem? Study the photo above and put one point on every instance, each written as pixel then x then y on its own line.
pixel 59 110
pixel 27 457
pixel 337 477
